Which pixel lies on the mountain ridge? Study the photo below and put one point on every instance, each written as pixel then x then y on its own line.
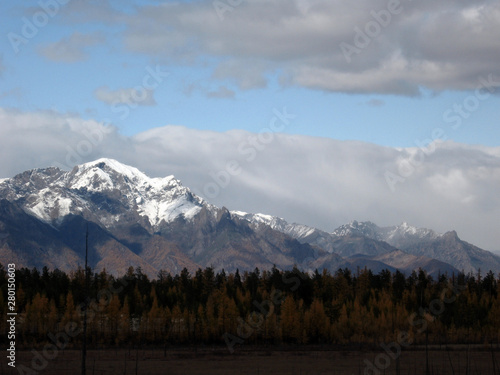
pixel 157 223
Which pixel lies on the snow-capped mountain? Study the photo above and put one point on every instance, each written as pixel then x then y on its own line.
pixel 104 191
pixel 398 236
pixel 421 245
pixel 295 230
pixel 447 247
pixel 348 240
pixel 154 223
pixel 157 223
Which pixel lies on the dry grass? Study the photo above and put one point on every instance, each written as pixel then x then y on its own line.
pixel 254 362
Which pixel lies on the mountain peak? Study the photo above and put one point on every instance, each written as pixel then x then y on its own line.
pixel 126 202
pixel 452 234
pixel 108 165
pixel 406 230
pixel 105 191
pixel 363 228
pixel 105 173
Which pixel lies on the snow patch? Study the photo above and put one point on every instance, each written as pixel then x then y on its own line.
pixel 93 179
pixel 125 170
pixel 39 210
pixel 64 206
pixel 276 223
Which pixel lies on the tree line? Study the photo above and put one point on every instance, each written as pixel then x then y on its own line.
pixel 259 307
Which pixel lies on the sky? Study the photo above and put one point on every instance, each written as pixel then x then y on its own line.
pixel 318 111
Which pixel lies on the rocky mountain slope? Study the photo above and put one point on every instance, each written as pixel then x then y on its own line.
pixel 366 238
pixel 158 224
pixel 134 220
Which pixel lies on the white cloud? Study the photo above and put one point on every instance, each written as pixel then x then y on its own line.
pixel 72 48
pixel 439 45
pixel 45 138
pixel 453 186
pixel 316 181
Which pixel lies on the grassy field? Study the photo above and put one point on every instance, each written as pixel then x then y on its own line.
pixel 255 362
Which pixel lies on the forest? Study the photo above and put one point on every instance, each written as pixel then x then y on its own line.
pixel 268 307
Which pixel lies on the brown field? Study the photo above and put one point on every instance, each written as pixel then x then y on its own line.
pixel 254 361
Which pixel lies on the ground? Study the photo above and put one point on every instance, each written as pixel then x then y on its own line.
pixel 253 361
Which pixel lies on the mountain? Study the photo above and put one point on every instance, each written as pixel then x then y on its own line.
pixel 158 224
pixel 421 245
pixel 42 247
pixel 398 236
pixel 447 247
pixel 134 220
pixel 103 191
pixel 407 263
pixel 295 230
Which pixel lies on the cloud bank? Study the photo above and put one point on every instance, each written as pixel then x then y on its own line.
pixel 367 46
pixel 316 181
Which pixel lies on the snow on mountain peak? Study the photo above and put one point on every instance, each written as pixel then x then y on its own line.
pixel 103 188
pixel 364 228
pixel 105 173
pixel 123 169
pixel 256 218
pixel 159 198
pixel 396 235
pixel 405 230
pixel 277 223
pixel 103 170
pixel 408 228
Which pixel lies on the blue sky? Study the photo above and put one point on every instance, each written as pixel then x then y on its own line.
pixel 88 45
pixel 180 87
